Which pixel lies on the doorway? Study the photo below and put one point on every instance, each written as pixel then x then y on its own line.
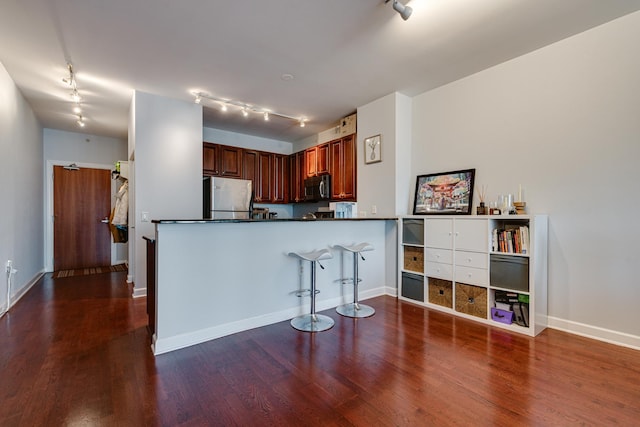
pixel 81 207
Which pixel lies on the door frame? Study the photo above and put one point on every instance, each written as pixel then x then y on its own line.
pixel 48 218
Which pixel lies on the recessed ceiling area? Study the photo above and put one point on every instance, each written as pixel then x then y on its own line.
pixel 340 54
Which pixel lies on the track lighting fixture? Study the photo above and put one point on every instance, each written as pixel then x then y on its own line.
pixel 75 95
pixel 246 108
pixel 404 11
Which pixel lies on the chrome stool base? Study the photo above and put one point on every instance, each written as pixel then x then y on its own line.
pixel 355 310
pixel 312 323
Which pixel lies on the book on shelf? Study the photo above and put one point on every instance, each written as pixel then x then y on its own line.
pixel 512 239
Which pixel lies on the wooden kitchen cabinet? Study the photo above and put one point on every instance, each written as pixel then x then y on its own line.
pixel 342 166
pixel 310 161
pixel 230 161
pixel 210 157
pixel 279 178
pixel 262 192
pixel 297 174
pixel 317 160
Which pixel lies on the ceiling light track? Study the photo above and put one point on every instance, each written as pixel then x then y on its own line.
pixel 70 80
pixel 246 109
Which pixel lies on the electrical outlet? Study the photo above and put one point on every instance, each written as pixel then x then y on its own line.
pixel 374 209
pixel 145 216
pixel 9 266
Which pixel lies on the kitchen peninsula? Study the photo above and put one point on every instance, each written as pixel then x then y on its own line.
pixel 218 277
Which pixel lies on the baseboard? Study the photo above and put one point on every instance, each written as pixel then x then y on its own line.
pixel 138 292
pixel 391 291
pixel 129 278
pixel 23 291
pixel 165 345
pixel 595 332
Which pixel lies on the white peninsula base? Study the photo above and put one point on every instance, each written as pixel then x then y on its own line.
pixel 215 278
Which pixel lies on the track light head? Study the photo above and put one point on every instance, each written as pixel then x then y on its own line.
pixel 404 11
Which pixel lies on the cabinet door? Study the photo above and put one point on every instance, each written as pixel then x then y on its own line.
pixel 348 168
pixel 310 161
pixel 210 159
pixel 438 233
pixel 336 169
pixel 230 162
pixel 297 174
pixel 342 164
pixel 322 159
pixel 263 185
pixel 472 235
pixel 250 169
pixel 279 179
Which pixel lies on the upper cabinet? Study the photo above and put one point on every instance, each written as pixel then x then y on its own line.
pixel 316 160
pixel 221 160
pixel 210 158
pixel 342 166
pixel 297 174
pixel 230 161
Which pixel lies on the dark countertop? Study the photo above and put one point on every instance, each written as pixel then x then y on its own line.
pixel 212 221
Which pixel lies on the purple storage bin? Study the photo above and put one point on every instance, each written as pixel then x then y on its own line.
pixel 502 316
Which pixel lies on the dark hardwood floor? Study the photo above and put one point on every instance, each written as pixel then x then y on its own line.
pixel 75 351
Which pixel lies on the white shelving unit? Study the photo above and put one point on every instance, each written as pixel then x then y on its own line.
pixel 446 263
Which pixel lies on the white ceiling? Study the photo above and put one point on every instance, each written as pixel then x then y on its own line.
pixel 342 53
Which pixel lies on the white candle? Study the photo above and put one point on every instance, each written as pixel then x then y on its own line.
pixel 520 193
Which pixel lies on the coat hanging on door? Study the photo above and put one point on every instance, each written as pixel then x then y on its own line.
pixel 118 222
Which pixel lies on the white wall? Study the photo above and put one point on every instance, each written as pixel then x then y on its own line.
pixel 21 191
pixel 234 139
pixel 564 122
pixel 63 148
pixel 166 142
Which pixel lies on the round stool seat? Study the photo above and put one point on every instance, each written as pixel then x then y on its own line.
pixel 355 309
pixel 360 247
pixel 312 256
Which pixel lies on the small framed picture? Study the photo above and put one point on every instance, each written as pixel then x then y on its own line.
pixel 373 149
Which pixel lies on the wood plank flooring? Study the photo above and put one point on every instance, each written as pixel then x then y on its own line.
pixel 75 351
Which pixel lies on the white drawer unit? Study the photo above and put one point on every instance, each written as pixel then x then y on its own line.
pixel 439 270
pixel 472 259
pixel 459 255
pixel 439 255
pixel 472 276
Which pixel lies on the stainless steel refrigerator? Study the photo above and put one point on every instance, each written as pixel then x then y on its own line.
pixel 226 198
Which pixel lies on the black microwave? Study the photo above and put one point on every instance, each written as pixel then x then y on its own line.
pixel 317 188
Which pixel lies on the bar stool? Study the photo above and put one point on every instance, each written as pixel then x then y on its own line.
pixel 355 309
pixel 312 322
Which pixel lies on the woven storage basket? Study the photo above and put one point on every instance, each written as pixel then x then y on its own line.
pixel 471 300
pixel 414 259
pixel 441 292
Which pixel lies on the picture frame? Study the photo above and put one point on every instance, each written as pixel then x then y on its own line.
pixel 373 149
pixel 444 193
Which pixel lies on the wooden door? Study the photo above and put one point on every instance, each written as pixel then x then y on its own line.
pixel 81 201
